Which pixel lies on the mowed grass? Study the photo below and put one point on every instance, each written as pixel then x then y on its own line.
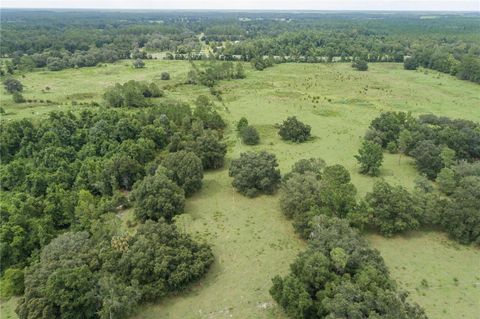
pixel 251 239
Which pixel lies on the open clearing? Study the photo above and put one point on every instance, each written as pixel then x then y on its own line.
pixel 251 239
pixel 450 272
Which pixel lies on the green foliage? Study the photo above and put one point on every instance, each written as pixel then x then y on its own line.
pixel 360 65
pixel 242 123
pixel 461 218
pixel 66 171
pixel 185 169
pixel 12 85
pixel 12 283
pixel 392 209
pixel 157 197
pixel 131 94
pixel 370 158
pixel 18 97
pixel 340 276
pixel 165 76
pixel 205 112
pixel 300 193
pixel 293 130
pixel 428 159
pixel 250 135
pixel 410 63
pixel 392 147
pixel 79 276
pixel 213 72
pixel 138 64
pixel 312 189
pixel 255 173
pixel 446 180
pixel 211 150
pixel 260 64
pixel 434 142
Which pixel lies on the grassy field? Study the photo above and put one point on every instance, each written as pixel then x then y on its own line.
pixel 251 239
pixel 450 272
pixel 87 85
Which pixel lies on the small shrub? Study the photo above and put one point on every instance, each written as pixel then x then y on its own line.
pixel 138 64
pixel 360 65
pixel 165 76
pixel 242 123
pixel 18 97
pixel 250 135
pixel 392 147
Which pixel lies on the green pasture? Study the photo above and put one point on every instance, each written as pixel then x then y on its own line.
pixel 251 239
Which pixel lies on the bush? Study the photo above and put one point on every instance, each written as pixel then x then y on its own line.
pixel 138 64
pixel 242 123
pixel 250 135
pixel 392 147
pixel 157 197
pixel 13 85
pixel 255 173
pixel 18 98
pixel 293 130
pixel 360 65
pixel 165 76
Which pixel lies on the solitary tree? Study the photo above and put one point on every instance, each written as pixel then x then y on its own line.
pixel 370 157
pixel 293 130
pixel 138 64
pixel 255 173
pixel 242 123
pixel 13 85
pixel 250 136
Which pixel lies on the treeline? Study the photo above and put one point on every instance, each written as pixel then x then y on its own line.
pixel 446 151
pixel 64 180
pixel 210 73
pixel 447 43
pixel 435 142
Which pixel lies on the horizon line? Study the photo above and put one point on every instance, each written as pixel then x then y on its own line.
pixel 241 10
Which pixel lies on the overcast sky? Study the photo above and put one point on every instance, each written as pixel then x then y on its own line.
pixel 420 5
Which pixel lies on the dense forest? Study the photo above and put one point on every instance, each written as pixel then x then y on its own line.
pixel 447 43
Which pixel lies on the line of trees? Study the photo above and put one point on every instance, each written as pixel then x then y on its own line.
pixel 56 41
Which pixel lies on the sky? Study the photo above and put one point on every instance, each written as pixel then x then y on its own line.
pixel 387 5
